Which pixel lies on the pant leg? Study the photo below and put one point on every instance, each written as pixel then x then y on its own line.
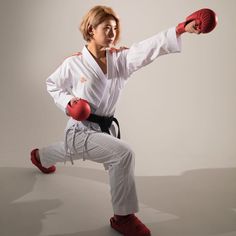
pixel 118 158
pixel 52 154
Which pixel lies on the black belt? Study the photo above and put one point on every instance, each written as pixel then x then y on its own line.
pixel 104 122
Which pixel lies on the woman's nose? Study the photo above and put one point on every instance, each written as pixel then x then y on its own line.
pixel 111 33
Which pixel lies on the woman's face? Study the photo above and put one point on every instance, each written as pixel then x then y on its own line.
pixel 105 33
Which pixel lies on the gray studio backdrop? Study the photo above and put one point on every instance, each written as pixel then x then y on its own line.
pixel 177 114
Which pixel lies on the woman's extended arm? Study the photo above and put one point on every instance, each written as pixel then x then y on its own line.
pixel 142 53
pixel 169 41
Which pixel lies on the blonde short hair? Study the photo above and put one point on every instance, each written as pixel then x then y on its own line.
pixel 96 16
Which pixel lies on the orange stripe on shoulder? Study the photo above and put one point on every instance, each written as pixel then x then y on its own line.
pixel 75 54
pixel 112 50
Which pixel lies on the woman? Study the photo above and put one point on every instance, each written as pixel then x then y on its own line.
pixel 98 74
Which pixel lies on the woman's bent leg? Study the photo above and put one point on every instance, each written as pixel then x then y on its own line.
pixel 118 158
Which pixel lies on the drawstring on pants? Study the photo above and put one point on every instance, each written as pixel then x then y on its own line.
pixel 104 124
pixel 70 152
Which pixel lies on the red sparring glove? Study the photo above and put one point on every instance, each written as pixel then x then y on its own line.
pixel 79 109
pixel 205 18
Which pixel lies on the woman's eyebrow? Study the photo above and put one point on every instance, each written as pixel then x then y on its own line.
pixel 110 25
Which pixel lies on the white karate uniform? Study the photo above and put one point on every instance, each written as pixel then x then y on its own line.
pixel 80 76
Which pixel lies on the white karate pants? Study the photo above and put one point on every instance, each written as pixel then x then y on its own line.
pixel 116 156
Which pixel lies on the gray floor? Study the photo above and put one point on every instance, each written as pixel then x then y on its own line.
pixel 75 201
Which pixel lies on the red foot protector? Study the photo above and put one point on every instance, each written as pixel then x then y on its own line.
pixel 79 109
pixel 130 226
pixel 49 170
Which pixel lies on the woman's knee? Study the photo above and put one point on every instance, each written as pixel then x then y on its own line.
pixel 127 157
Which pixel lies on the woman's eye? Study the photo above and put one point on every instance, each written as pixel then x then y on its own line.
pixel 107 28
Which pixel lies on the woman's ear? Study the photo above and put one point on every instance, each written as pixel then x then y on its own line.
pixel 90 30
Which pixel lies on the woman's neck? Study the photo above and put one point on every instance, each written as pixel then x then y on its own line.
pixel 97 51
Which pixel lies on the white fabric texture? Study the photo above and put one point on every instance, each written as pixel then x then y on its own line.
pixel 116 156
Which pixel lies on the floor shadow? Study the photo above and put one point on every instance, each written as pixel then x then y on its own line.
pixel 203 201
pixel 104 231
pixel 23 218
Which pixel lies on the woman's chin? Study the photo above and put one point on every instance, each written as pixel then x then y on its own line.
pixel 109 44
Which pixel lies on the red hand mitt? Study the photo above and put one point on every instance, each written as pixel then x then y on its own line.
pixel 79 109
pixel 206 20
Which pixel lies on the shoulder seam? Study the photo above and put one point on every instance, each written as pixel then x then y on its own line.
pixel 112 50
pixel 75 54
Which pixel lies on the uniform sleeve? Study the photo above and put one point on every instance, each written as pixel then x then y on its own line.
pixel 142 53
pixel 59 84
